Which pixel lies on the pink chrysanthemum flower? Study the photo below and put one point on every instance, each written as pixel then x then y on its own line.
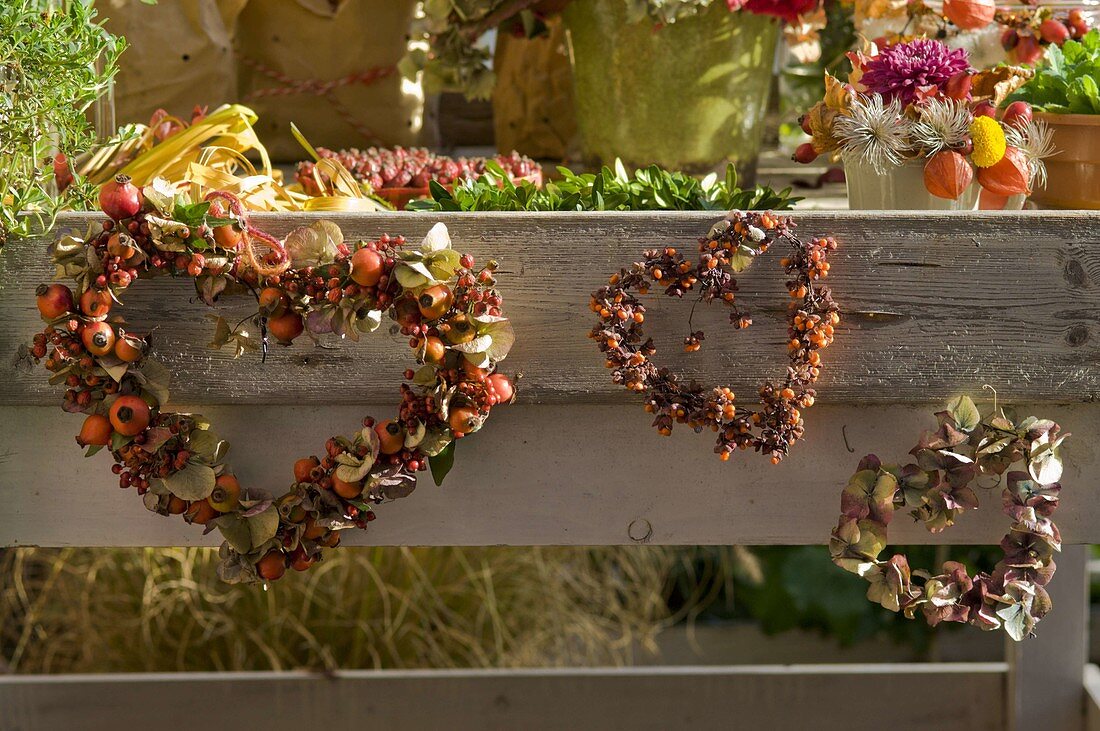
pixel 908 71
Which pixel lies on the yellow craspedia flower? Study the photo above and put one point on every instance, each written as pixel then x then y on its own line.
pixel 989 142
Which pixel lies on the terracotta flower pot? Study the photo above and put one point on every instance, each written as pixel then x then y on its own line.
pixel 899 189
pixel 1073 173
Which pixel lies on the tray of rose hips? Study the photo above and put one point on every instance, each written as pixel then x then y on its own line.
pixel 401 174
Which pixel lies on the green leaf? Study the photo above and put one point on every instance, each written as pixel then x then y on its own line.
pixel 372 320
pixel 479 360
pixel 426 376
pixel 155 380
pixel 235 531
pixel 412 274
pixel 1066 82
pixel 442 462
pixel 357 471
pixel 245 535
pixel 194 482
pixel 118 441
pixel 503 338
pixel 443 264
pixel 965 413
pixel 480 344
pixel 207 446
pixel 741 259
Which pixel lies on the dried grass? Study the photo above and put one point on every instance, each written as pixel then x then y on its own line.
pixel 119 610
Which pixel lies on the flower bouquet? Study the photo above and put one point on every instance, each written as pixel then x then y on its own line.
pixel 916 127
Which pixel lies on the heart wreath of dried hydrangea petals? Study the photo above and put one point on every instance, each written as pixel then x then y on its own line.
pixel 312 282
pixel 731 247
pixel 937 488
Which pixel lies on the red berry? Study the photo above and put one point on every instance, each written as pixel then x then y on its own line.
pixel 120 198
pixel 1028 51
pixel 129 415
pixel 366 267
pixel 805 153
pixel 1017 113
pixel 96 430
pixel 54 300
pixel 1054 31
pixel 272 566
pixel 985 109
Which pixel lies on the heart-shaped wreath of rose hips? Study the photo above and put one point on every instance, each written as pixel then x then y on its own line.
pixel 731 247
pixel 938 488
pixel 311 282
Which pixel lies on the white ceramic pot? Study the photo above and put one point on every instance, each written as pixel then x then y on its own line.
pixel 993 203
pixel 901 188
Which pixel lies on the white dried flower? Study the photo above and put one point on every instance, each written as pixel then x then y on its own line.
pixel 876 133
pixel 942 124
pixel 1035 139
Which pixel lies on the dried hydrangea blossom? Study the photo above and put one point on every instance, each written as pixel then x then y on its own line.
pixel 937 486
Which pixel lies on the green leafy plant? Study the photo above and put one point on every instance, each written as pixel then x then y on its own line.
pixel 648 189
pixel 55 61
pixel 1068 81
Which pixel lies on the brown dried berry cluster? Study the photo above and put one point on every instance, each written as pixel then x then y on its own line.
pixel 731 246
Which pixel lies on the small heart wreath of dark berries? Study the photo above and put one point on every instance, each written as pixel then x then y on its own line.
pixel 731 247
pixel 312 282
pixel 937 488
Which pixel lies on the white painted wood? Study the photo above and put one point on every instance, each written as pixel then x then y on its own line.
pixel 1045 689
pixel 933 303
pixel 1092 698
pixel 535 475
pixel 776 698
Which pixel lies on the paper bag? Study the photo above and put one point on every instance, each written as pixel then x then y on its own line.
pixel 533 98
pixel 179 55
pixel 328 66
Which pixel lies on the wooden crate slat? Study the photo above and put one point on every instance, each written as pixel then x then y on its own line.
pixel 934 303
pixel 821 697
pixel 536 475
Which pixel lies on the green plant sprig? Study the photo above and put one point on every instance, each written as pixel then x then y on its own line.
pixel 649 189
pixel 55 61
pixel 1068 81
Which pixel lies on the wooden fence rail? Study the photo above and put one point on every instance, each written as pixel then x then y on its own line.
pixel 934 305
pixel 742 697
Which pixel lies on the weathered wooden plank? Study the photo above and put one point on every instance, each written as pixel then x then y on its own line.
pixel 779 698
pixel 536 475
pixel 935 303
